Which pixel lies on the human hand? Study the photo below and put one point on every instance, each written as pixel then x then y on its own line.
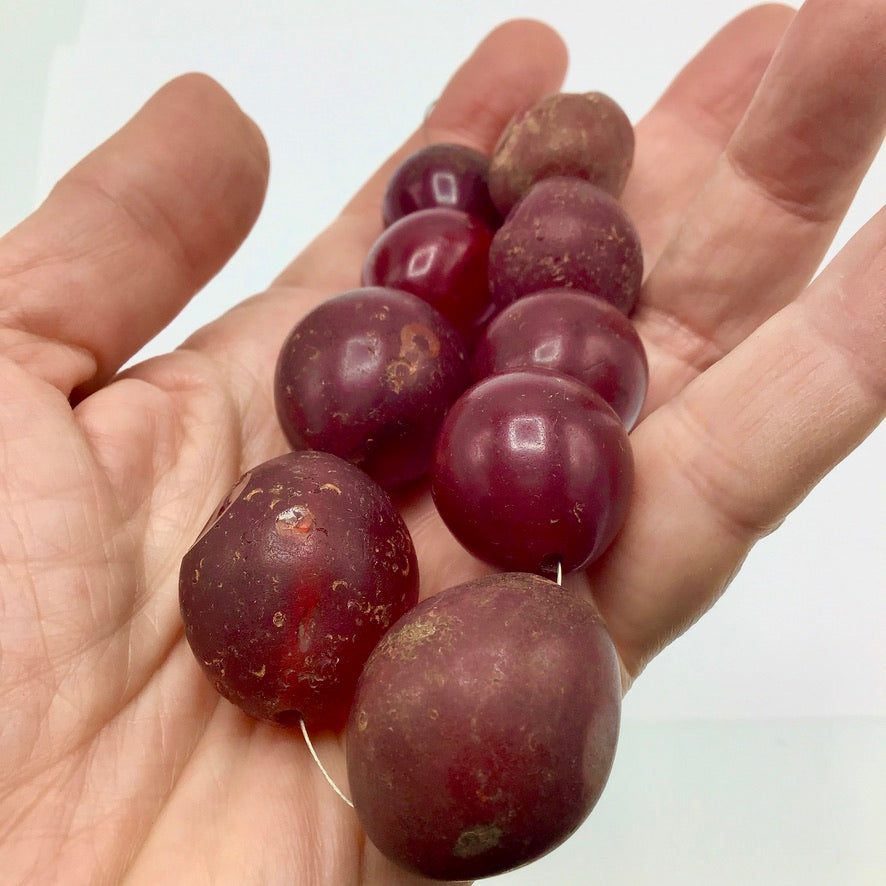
pixel 118 759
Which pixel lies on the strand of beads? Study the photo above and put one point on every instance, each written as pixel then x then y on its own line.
pixel 489 347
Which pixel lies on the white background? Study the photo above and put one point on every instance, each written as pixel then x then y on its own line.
pixel 753 748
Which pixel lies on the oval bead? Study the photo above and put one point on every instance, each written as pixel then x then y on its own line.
pixel 532 468
pixel 440 255
pixel 443 174
pixel 573 333
pixel 369 376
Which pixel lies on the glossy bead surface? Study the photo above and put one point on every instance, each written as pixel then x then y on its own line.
pixel 575 334
pixel 369 376
pixel 531 468
pixel 440 255
pixel 446 175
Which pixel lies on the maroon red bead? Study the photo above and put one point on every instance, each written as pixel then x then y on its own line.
pixel 439 255
pixel 441 175
pixel 369 376
pixel 573 333
pixel 532 469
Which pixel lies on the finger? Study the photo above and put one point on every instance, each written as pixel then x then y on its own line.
pixel 129 234
pixel 517 63
pixel 758 230
pixel 724 462
pixel 679 140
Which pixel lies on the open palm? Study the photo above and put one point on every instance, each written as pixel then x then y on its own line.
pixel 117 759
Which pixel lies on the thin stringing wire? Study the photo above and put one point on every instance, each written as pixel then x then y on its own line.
pixel 326 775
